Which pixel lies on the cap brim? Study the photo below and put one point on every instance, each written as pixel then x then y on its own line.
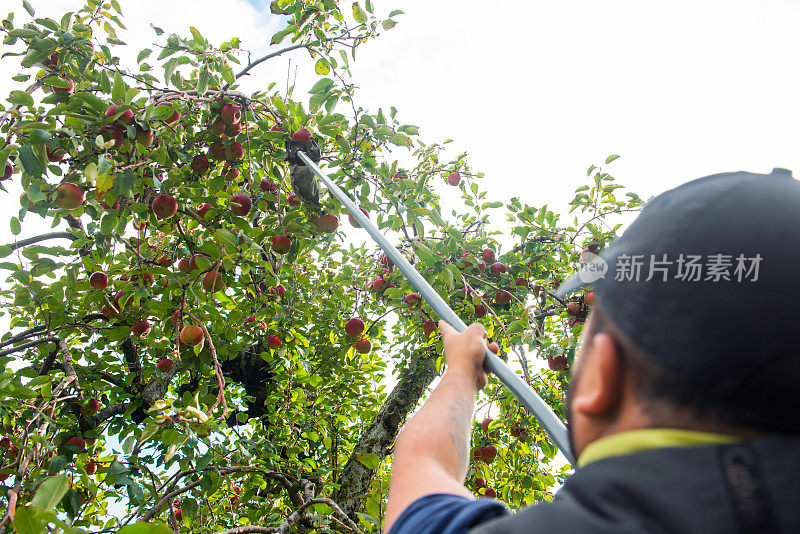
pixel 570 286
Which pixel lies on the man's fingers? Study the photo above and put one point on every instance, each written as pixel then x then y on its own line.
pixel 478 328
pixel 446 329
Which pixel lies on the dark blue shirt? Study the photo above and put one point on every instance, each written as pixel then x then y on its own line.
pixel 442 513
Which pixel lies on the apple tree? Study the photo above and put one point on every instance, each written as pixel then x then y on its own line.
pixel 197 344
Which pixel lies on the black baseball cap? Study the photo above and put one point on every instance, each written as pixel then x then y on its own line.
pixel 704 280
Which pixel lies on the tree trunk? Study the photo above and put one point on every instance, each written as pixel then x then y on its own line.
pixel 378 438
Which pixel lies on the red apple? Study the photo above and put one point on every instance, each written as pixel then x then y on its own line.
pixel 212 281
pixel 293 200
pixel 278 291
pixel 126 116
pixel 78 442
pixel 230 113
pixel 69 196
pixel 274 342
pixel 557 363
pixel 490 493
pixel 301 135
pixel 363 346
pixel 502 297
pixel 241 204
pixel 498 268
pixel 231 173
pixel 8 171
pixel 485 424
pixel 199 164
pixel 165 365
pixel 479 482
pixel 91 408
pixel 386 261
pixel 276 128
pixel 413 300
pixel 178 515
pixel 108 311
pixel 328 223
pixel 175 114
pixel 522 282
pixel 252 321
pixel 429 327
pixel 281 244
pixel 518 431
pixel 91 468
pixel 218 127
pixel 52 61
pixel 354 327
pixel 588 299
pixel 232 130
pixel 144 137
pixel 494 347
pixel 573 308
pixel 477 454
pixel 488 255
pixel 203 209
pixel 183 265
pixel 55 156
pixel 480 310
pixel 98 280
pixel 353 221
pixel 191 335
pixel 64 89
pixel 489 454
pixel 216 152
pixel 234 152
pixel 268 186
pixel 112 133
pixel 378 285
pixel 165 206
pixel 140 329
pixel 454 178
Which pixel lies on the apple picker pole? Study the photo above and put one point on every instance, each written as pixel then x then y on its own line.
pixel 532 401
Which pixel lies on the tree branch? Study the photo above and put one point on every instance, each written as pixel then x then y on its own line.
pixel 265 58
pixel 44 237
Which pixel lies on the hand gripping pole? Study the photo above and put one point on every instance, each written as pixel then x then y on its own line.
pixel 529 398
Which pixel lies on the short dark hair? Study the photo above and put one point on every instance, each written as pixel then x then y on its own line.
pixel 766 402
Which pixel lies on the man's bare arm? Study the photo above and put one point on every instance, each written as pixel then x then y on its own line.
pixel 432 451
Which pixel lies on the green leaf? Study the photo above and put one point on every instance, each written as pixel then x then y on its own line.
pixel 143 54
pixel 322 67
pixel 30 162
pixel 368 460
pixel 56 465
pixel 31 520
pixel 358 13
pixel 118 89
pixel 124 182
pixel 321 86
pixel 388 24
pixel 281 35
pixel 135 494
pixel 15 227
pixel 21 98
pixel 611 158
pixel 51 492
pixel 203 80
pixel 28 7
pixel 144 528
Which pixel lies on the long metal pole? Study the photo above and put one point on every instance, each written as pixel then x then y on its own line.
pixel 529 398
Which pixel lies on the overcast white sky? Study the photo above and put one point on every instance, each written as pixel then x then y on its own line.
pixel 538 90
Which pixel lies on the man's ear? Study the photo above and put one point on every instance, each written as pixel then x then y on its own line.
pixel 598 392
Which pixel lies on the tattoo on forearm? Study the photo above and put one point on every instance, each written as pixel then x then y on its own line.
pixel 459 426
